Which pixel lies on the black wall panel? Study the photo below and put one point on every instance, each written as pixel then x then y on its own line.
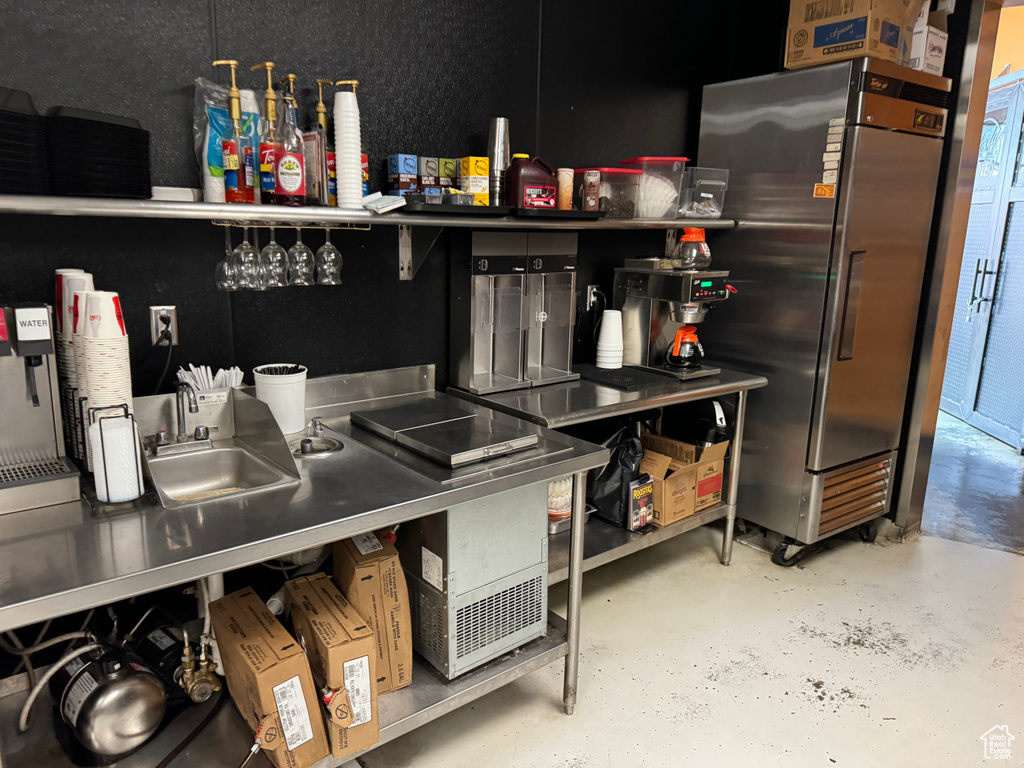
pixel 614 80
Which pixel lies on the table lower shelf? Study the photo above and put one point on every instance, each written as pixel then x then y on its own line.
pixel 225 741
pixel 604 542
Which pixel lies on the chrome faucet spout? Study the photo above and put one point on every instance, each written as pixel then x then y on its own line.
pixel 185 391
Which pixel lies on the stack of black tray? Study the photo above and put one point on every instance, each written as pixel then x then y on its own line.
pixel 96 155
pixel 23 166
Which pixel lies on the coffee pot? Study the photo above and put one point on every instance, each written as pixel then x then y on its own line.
pixel 686 350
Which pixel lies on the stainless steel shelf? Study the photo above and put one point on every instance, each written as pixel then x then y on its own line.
pixel 575 402
pixel 226 740
pixel 605 542
pixel 243 214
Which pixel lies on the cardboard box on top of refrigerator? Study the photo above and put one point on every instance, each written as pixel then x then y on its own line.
pixel 269 679
pixel 687 478
pixel 823 31
pixel 928 48
pixel 342 655
pixel 368 573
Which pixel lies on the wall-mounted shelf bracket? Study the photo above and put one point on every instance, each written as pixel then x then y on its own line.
pixel 411 256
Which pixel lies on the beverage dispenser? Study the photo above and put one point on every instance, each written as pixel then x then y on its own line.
pixel 488 312
pixel 551 306
pixel 33 469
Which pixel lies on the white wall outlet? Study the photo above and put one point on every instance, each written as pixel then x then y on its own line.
pixel 592 296
pixel 157 325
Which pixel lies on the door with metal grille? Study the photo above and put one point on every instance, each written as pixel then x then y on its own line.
pixel 982 383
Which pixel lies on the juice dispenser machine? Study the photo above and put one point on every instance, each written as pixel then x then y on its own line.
pixel 513 308
pixel 551 306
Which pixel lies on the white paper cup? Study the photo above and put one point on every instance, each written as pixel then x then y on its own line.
pixel 284 395
pixel 103 316
pixel 611 329
pixel 70 285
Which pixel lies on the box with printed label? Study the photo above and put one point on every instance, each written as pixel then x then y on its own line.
pixel 342 655
pixel 474 166
pixel 823 31
pixel 268 677
pixel 475 184
pixel 928 48
pixel 368 573
pixel 447 167
pixel 687 478
pixel 403 164
pixel 408 181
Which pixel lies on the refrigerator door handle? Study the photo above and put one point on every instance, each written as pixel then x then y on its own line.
pixel 848 326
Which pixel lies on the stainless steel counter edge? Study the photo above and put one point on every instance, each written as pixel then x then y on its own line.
pixel 58 560
pixel 586 400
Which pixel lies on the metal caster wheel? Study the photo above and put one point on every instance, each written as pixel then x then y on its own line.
pixel 867 532
pixel 782 557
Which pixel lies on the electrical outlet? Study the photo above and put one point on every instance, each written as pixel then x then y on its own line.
pixel 156 325
pixel 592 291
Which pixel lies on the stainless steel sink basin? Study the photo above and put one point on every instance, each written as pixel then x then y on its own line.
pixel 190 478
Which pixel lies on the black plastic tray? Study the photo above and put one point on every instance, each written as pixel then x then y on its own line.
pixel 550 213
pixel 456 210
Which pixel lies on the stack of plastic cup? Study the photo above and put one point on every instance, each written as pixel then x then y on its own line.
pixel 101 358
pixel 609 340
pixel 347 147
pixel 67 282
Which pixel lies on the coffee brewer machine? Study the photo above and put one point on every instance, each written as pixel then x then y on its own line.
pixel 661 305
pixel 34 471
pixel 513 309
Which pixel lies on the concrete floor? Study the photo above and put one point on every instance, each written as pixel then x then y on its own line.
pixel 868 655
pixel 975 488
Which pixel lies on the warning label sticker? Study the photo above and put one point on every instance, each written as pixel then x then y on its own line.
pixel 824 190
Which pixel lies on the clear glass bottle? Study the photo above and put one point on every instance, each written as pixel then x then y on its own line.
pixel 291 164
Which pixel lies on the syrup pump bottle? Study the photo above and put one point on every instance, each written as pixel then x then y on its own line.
pixel 328 143
pixel 291 170
pixel 236 153
pixel 270 139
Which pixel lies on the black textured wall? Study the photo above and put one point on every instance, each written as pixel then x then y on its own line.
pixel 582 83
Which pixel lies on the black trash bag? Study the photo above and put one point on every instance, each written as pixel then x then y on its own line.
pixel 608 487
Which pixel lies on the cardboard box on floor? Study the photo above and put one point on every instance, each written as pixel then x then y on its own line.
pixel 687 478
pixel 368 573
pixel 823 31
pixel 269 679
pixel 342 655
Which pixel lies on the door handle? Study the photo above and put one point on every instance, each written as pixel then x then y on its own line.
pixel 851 305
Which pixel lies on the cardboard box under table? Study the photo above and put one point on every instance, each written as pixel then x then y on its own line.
pixel 269 679
pixel 687 478
pixel 368 572
pixel 342 654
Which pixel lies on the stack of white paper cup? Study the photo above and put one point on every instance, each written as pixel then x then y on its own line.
pixel 101 357
pixel 67 282
pixel 348 150
pixel 609 340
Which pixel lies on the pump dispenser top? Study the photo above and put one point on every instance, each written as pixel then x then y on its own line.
pixel 234 95
pixel 321 109
pixel 269 96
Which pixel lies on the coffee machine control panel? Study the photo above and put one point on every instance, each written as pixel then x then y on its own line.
pixel 707 288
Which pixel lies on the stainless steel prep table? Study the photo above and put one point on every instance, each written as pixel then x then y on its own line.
pixel 60 559
pixel 576 402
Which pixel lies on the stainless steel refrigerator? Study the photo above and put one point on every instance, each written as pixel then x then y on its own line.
pixel 833 174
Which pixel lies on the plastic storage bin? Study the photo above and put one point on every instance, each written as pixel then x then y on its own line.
pixel 618 191
pixel 703 195
pixel 658 191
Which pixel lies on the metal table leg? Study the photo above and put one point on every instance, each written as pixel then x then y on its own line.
pixel 572 616
pixel 734 476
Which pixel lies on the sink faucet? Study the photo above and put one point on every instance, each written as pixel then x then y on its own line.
pixel 185 390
